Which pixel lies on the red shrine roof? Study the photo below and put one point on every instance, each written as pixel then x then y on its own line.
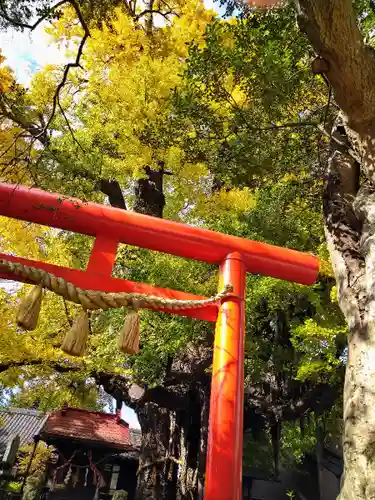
pixel 101 428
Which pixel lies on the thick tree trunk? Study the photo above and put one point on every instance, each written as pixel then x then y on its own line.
pixel 319 458
pixel 170 438
pixel 349 210
pixel 192 443
pixel 155 407
pixel 152 483
pixel 359 403
pixel 205 391
pixel 181 452
pixel 359 395
pixel 173 448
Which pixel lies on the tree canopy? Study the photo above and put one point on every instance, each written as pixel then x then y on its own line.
pixel 221 123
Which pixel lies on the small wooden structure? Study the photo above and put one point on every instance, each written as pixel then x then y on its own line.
pixel 95 455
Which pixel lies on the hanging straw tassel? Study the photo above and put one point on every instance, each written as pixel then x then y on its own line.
pixel 128 340
pixel 29 309
pixel 75 340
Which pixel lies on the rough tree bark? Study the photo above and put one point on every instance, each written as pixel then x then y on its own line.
pixel 173 455
pixel 192 421
pixel 349 212
pixel 153 464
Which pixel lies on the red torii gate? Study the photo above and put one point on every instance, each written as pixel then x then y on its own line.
pixel 235 256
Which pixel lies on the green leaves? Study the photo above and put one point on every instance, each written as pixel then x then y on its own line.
pixel 317 347
pixel 230 111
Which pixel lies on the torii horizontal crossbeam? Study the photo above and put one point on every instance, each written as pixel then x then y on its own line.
pixel 167 236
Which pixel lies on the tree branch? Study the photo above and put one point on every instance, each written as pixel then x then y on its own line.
pixel 40 133
pixel 8 111
pixel 293 405
pixel 288 125
pixel 230 100
pixel 112 189
pixel 69 66
pixel 130 7
pixel 161 13
pixel 36 24
pixel 350 65
pixel 61 368
pixel 134 395
pixel 69 126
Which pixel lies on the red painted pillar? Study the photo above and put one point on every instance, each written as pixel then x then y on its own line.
pixel 225 437
pixel 103 256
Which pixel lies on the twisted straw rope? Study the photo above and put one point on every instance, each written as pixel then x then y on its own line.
pixel 92 299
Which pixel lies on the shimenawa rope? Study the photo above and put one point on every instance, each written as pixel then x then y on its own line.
pixel 92 299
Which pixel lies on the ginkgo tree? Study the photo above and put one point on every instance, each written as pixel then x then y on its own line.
pixel 155 119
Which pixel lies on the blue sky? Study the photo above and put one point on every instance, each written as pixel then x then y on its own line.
pixel 26 52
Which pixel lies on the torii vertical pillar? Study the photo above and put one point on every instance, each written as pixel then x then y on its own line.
pixel 225 439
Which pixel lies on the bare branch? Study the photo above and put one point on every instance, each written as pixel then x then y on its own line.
pixel 69 66
pixel 36 131
pixel 229 98
pixel 61 368
pixel 68 125
pixel 8 111
pixel 14 142
pixel 36 24
pixel 288 125
pixel 130 7
pixel 152 11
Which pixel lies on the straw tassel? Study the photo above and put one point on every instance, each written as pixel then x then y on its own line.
pixel 128 340
pixel 75 340
pixel 29 309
